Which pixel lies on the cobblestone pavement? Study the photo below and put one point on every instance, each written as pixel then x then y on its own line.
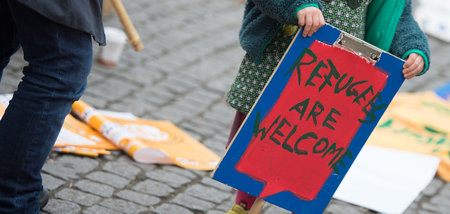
pixel 190 58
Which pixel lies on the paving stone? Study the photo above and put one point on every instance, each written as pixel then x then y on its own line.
pixel 9 87
pixel 432 188
pixel 202 126
pixel 69 167
pixel 203 96
pixel 171 208
pixel 178 85
pixel 216 184
pixel 445 190
pixel 94 100
pixel 153 188
pixel 145 168
pixel 96 76
pixel 269 208
pixel 225 206
pixel 78 197
pixel 210 68
pixel 423 212
pixel 337 207
pixel 51 183
pixel 201 172
pixel 112 86
pixel 172 179
pixel 132 104
pixel 108 178
pixel 186 105
pixel 171 114
pixel 192 202
pixel 155 95
pixel 123 206
pixel 441 200
pixel 95 188
pixel 220 84
pixel 181 171
pixel 121 168
pixel 440 208
pixel 214 212
pixel 60 206
pixel 221 112
pixel 143 199
pixel 142 75
pixel 207 193
pixel 217 144
pixel 96 209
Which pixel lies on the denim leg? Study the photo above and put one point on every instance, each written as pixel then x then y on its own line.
pixel 59 60
pixel 8 40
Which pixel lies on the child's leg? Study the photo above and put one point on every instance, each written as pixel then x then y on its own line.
pixel 245 200
pixel 242 198
pixel 238 120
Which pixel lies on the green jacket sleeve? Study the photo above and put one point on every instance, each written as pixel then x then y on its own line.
pixel 408 36
pixel 283 11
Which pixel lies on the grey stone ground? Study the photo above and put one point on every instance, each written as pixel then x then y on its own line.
pixel 190 58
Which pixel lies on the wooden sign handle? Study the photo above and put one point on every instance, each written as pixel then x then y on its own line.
pixel 128 26
pixel 257 206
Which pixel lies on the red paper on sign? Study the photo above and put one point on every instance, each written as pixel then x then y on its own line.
pixel 311 125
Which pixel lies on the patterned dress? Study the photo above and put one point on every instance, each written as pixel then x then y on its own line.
pixel 348 15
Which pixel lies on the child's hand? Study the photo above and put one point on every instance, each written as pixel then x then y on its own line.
pixel 414 65
pixel 311 18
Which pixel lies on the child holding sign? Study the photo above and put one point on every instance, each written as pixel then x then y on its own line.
pixel 270 25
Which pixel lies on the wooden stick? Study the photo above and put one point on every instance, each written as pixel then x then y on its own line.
pixel 128 26
pixel 257 206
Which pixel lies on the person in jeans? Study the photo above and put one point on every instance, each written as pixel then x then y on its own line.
pixel 56 39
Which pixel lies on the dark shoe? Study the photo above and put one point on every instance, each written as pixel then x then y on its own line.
pixel 43 198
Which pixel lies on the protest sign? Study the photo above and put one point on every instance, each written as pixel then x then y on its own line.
pixel 312 119
pixel 417 122
pixel 148 141
pixel 78 134
pixel 78 138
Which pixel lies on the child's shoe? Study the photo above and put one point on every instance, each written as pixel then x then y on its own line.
pixel 237 209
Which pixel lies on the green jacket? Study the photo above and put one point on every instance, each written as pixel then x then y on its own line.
pixel 403 36
pixel 389 26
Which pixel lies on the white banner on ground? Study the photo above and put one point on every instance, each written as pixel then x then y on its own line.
pixel 385 180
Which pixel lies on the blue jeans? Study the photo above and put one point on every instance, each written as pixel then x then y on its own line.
pixel 60 59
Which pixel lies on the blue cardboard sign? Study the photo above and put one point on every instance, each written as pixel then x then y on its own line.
pixel 310 122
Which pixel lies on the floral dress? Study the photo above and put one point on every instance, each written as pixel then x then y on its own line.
pixel 349 16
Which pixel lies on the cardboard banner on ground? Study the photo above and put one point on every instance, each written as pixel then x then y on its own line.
pixel 78 138
pixel 312 119
pixel 149 141
pixel 417 122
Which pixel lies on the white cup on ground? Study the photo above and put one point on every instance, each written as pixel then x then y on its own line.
pixel 109 55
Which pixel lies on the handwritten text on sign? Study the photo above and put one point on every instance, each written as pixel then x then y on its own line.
pixel 297 144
